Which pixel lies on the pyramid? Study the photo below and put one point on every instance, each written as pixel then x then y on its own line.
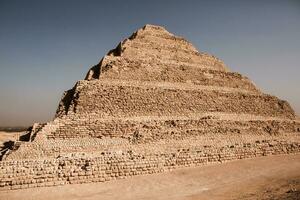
pixel 152 104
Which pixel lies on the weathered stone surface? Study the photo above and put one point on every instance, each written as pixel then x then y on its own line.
pixel 152 104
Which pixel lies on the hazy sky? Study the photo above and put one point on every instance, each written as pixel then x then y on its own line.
pixel 46 46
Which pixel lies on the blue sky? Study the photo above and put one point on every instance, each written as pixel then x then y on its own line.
pixel 46 46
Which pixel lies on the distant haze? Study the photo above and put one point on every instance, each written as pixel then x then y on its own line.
pixel 46 46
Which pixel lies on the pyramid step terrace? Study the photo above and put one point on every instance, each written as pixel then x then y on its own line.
pixel 127 100
pixel 176 73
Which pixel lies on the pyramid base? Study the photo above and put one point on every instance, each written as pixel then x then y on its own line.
pixel 103 166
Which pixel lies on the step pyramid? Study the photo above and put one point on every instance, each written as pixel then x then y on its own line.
pixel 152 104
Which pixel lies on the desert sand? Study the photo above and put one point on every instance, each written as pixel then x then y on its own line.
pixel 8 136
pixel 272 177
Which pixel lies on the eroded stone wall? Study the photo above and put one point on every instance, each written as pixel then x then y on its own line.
pixel 123 99
pixel 152 129
pixel 109 166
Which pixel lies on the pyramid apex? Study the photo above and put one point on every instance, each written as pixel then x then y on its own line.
pixel 152 45
pixel 152 26
pixel 152 29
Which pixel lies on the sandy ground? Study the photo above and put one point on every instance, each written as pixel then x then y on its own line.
pixel 7 136
pixel 273 177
